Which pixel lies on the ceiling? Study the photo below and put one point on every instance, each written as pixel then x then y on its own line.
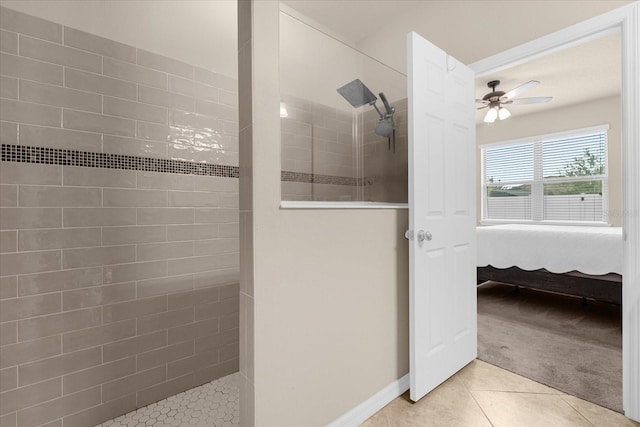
pixel 579 74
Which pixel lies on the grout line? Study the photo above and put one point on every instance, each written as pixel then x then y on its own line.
pixel 575 409
pixel 474 399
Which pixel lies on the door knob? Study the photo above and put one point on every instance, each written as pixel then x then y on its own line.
pixel 424 235
pixel 408 235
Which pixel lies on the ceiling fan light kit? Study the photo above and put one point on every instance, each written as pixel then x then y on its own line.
pixel 495 100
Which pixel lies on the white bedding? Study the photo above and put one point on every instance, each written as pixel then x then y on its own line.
pixel 559 249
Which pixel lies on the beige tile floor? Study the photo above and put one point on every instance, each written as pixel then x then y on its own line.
pixel 484 395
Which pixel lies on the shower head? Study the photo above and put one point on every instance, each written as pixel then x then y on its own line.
pixel 357 94
pixel 385 127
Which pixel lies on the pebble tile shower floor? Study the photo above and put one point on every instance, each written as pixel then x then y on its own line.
pixel 215 404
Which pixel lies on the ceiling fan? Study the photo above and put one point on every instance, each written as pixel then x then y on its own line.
pixel 495 100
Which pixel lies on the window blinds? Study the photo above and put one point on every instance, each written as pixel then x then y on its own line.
pixel 560 179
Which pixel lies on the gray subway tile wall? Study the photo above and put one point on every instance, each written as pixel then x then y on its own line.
pixel 118 286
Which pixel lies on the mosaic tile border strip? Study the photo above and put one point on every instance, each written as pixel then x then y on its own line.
pixel 312 178
pixel 64 157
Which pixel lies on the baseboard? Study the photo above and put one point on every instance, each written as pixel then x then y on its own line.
pixel 366 409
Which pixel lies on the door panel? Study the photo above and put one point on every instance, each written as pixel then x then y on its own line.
pixel 442 203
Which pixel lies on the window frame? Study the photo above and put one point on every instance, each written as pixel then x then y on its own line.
pixel 538 181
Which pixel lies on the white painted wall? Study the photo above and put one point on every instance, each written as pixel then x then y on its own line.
pixel 202 33
pixel 604 111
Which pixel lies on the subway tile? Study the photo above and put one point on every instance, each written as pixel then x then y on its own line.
pixel 231 321
pixel 24 307
pixel 100 45
pixel 58 365
pixel 58 408
pixel 165 181
pixel 53 324
pixel 192 88
pixel 97 375
pixel 30 351
pixel 27 112
pixel 229 352
pixel 35 240
pixel 188 153
pixel 36 196
pixel 9 420
pixel 98 295
pixel 134 110
pixel 201 263
pixel 191 331
pixel 230 200
pixel 131 198
pixel 217 110
pixel 157 251
pixel 166 389
pixel 134 146
pixel 217 308
pixel 99 256
pixel 132 346
pixel 19 22
pixel 24 397
pixel 8 42
pixel 149 95
pixel 221 215
pixel 152 131
pixel 217 341
pixel 99 335
pixel 129 235
pixel 8 87
pixel 8 333
pixel 191 232
pixel 151 216
pixel 96 83
pixel 229 230
pixel 9 287
pixel 92 217
pixel 216 246
pixel 132 309
pixel 166 320
pixel 185 119
pixel 59 138
pixel 231 290
pixel 8 379
pixel 25 68
pixel 99 177
pixel 14 218
pixel 58 54
pixel 210 373
pixel 164 355
pixel 230 127
pixel 227 83
pixel 90 122
pixel 217 184
pixel 8 133
pixel 216 278
pixel 141 380
pixel 133 73
pixel 58 96
pixel 163 63
pixel 164 286
pixel 229 98
pixel 8 195
pixel 25 173
pixel 192 298
pixel 191 364
pixel 56 281
pixel 102 412
pixel 207 77
pixel 120 273
pixel 29 262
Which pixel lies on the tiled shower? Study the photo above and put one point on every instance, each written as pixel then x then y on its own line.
pixel 119 225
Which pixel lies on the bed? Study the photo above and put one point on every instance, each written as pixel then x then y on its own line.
pixel 574 260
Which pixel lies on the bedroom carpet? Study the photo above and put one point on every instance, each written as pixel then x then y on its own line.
pixel 554 340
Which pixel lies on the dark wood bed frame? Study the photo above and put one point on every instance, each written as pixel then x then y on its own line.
pixel 606 288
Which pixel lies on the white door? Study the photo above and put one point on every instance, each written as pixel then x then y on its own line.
pixel 442 216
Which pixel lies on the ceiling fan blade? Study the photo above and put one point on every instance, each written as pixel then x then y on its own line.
pixel 536 100
pixel 522 88
pixel 482 101
pixel 482 108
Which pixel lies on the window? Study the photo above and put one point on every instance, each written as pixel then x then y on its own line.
pixel 551 178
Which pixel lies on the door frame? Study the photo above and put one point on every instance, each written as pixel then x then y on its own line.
pixel 625 19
